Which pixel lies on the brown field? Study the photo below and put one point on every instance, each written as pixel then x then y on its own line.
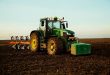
pixel 23 62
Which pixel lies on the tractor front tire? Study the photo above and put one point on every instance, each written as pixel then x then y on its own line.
pixel 34 42
pixel 54 46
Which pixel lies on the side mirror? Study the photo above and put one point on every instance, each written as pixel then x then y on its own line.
pixel 66 25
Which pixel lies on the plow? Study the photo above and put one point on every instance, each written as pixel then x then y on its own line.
pixel 18 42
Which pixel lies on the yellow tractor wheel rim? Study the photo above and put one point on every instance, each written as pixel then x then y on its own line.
pixel 51 47
pixel 34 44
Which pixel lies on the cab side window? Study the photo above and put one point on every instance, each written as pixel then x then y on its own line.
pixel 50 25
pixel 42 23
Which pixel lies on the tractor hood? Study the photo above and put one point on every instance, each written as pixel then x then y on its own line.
pixel 69 32
pixel 61 32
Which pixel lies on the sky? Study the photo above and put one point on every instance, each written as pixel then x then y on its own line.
pixel 87 18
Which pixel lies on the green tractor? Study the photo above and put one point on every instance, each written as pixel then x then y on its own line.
pixel 53 37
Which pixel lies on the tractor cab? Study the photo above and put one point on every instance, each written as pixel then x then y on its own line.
pixel 48 25
pixel 51 23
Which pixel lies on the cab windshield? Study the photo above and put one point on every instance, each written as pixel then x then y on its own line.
pixel 56 24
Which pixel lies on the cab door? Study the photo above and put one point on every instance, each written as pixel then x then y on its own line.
pixel 43 26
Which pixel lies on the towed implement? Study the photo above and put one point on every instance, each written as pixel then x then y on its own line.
pixel 53 37
pixel 19 42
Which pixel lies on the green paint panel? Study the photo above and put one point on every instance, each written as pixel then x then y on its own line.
pixel 80 48
pixel 57 32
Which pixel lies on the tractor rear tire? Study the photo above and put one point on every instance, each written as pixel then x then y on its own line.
pixel 54 46
pixel 34 42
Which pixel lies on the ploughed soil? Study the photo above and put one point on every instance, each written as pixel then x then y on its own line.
pixel 24 62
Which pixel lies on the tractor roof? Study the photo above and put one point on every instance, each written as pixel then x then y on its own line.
pixel 52 19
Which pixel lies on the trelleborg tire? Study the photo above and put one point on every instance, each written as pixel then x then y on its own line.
pixel 34 42
pixel 54 46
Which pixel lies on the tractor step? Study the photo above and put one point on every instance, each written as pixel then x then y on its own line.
pixel 43 45
pixel 80 48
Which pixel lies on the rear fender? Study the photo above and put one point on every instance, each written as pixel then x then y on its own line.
pixel 40 33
